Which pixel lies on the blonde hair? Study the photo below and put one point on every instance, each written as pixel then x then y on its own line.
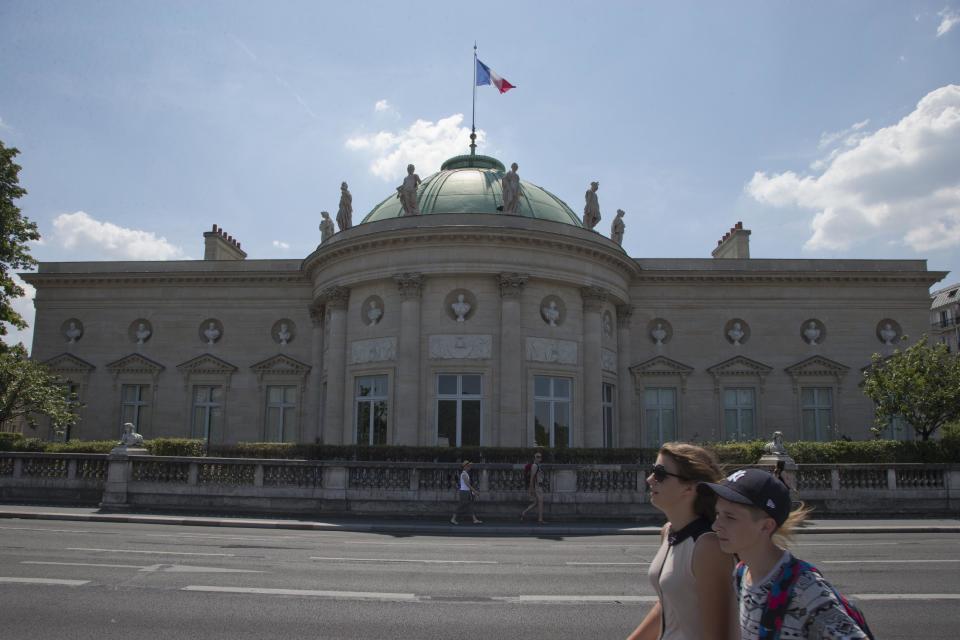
pixel 784 534
pixel 696 464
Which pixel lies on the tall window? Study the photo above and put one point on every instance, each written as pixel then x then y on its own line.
pixel 739 412
pixel 551 411
pixel 207 412
pixel 371 395
pixel 459 409
pixel 660 416
pixel 281 413
pixel 607 404
pixel 816 406
pixel 898 429
pixel 134 399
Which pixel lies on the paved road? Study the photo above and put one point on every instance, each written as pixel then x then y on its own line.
pixel 111 580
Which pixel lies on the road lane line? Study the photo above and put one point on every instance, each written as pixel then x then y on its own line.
pixel 65 583
pixel 405 560
pixel 415 544
pixel 607 564
pixel 167 553
pixel 85 564
pixel 50 530
pixel 348 595
pixel 544 599
pixel 905 596
pixel 886 561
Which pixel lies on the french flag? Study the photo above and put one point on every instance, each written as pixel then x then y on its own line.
pixel 486 75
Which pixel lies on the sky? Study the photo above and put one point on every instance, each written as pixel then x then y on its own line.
pixel 831 129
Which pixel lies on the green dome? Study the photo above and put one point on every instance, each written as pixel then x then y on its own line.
pixel 471 184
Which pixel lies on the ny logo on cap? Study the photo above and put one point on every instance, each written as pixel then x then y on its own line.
pixel 770 504
pixel 733 477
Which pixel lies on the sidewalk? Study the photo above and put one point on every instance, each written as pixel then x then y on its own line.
pixel 437 526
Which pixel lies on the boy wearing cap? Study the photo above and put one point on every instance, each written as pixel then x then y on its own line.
pixel 754 521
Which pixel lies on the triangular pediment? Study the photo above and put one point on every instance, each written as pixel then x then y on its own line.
pixel 135 363
pixel 739 366
pixel 661 366
pixel 817 366
pixel 281 365
pixel 206 363
pixel 68 363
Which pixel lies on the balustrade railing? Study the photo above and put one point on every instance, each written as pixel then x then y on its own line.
pixel 164 471
pixel 593 480
pixel 300 476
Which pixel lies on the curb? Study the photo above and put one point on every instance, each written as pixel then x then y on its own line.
pixel 427 528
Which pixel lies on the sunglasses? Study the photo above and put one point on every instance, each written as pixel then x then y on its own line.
pixel 660 473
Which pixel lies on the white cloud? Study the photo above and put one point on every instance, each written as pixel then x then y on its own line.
pixel 425 144
pixel 848 135
pixel 23 306
pixel 899 183
pixel 3 125
pixel 381 106
pixel 280 245
pixel 97 240
pixel 949 19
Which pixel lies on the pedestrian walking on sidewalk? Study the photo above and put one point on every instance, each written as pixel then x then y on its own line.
pixel 780 596
pixel 690 572
pixel 534 473
pixel 466 492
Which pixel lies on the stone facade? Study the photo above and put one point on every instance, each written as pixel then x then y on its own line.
pixel 633 342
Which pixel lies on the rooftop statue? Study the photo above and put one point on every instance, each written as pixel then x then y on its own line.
pixel 510 186
pixel 591 210
pixel 616 229
pixel 345 212
pixel 407 192
pixel 326 226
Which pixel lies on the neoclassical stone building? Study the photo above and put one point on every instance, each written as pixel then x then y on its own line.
pixel 465 325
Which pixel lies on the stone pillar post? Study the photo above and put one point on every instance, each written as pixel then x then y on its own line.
pixel 592 431
pixel 335 301
pixel 626 396
pixel 408 425
pixel 510 431
pixel 314 432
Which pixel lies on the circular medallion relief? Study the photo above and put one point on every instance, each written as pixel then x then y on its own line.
pixel 283 331
pixel 140 330
pixel 460 305
pixel 736 331
pixel 371 311
pixel 659 331
pixel 553 311
pixel 812 331
pixel 210 331
pixel 889 331
pixel 72 330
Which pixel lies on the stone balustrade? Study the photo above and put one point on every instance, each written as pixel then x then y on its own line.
pixel 241 485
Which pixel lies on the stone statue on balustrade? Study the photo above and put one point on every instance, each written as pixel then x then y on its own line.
pixel 131 442
pixel 591 210
pixel 510 187
pixel 616 229
pixel 326 227
pixel 345 212
pixel 407 192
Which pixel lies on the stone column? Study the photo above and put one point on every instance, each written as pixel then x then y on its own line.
pixel 511 430
pixel 592 432
pixel 315 390
pixel 407 423
pixel 626 396
pixel 335 301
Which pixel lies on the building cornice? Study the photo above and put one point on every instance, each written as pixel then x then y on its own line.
pixel 925 278
pixel 169 278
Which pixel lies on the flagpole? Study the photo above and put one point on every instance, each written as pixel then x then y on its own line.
pixel 473 115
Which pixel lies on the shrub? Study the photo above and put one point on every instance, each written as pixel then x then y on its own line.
pixel 174 447
pixel 80 446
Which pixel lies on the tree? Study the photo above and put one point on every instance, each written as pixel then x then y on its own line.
pixel 28 390
pixel 921 384
pixel 15 232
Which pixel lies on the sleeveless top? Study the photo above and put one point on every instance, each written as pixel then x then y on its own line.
pixel 671 574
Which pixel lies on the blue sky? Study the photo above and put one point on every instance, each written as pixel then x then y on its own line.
pixel 832 130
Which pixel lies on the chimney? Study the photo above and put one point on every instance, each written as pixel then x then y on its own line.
pixel 734 243
pixel 217 245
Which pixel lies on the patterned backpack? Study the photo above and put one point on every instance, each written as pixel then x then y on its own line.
pixel 779 599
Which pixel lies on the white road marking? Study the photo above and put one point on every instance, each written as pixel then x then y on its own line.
pixel 416 544
pixel 607 564
pixel 84 564
pixel 167 553
pixel 905 596
pixel 165 568
pixel 348 595
pixel 65 583
pixel 50 530
pixel 884 561
pixel 573 599
pixel 405 560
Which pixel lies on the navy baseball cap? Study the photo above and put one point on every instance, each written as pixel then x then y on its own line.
pixel 754 488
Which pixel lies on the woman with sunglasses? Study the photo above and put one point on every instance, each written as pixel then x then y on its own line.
pixel 690 573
